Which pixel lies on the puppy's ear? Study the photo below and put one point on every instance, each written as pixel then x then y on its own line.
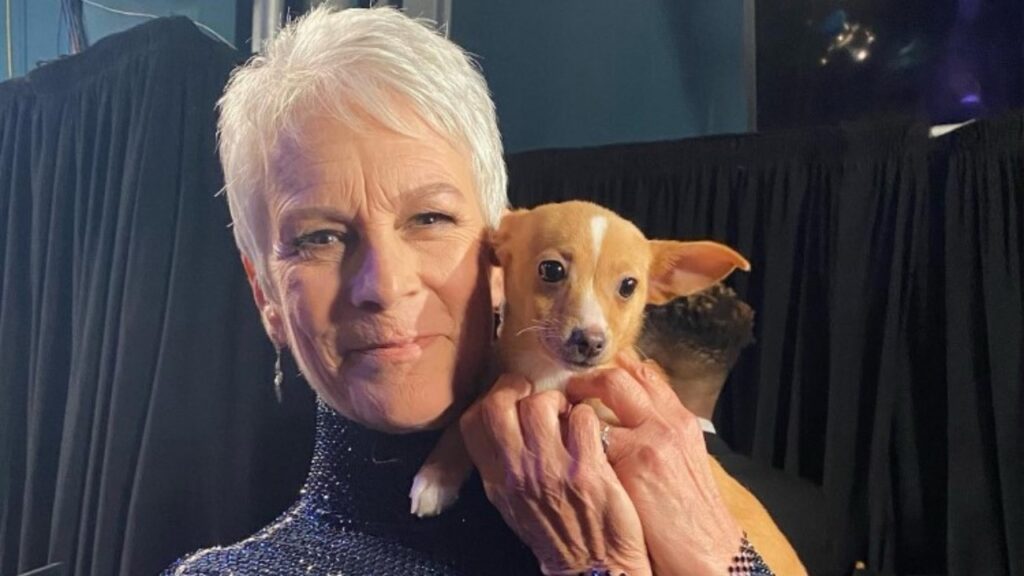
pixel 501 238
pixel 684 268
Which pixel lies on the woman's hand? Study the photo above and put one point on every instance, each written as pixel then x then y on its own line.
pixel 659 455
pixel 544 469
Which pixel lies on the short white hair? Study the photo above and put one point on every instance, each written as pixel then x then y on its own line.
pixel 345 64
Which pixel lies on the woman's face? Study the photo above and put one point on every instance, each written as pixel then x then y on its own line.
pixel 382 275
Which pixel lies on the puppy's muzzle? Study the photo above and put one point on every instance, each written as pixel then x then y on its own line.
pixel 584 346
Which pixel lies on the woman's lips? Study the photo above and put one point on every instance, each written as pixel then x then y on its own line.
pixel 405 350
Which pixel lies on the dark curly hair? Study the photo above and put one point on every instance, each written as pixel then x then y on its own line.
pixel 712 326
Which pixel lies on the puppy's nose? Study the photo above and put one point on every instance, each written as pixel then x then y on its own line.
pixel 587 343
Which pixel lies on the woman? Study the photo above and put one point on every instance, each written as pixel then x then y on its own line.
pixel 364 167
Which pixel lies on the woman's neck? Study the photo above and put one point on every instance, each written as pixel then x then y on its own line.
pixel 359 480
pixel 362 476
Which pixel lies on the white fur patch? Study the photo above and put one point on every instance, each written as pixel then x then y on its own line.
pixel 591 313
pixel 433 491
pixel 541 369
pixel 598 226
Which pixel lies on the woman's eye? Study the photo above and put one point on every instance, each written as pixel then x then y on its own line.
pixel 551 271
pixel 431 218
pixel 627 287
pixel 318 239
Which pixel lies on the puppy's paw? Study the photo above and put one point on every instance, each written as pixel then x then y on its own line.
pixel 433 491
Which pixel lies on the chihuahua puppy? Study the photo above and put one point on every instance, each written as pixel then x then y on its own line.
pixel 577 277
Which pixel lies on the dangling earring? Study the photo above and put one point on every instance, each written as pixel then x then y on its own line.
pixel 278 375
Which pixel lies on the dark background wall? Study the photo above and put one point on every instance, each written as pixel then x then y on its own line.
pixel 940 60
pixel 34 35
pixel 577 73
pixel 39 30
pixel 568 74
pixel 563 74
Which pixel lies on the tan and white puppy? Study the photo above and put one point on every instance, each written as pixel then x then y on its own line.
pixel 577 277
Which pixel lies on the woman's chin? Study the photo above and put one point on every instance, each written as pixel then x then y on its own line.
pixel 438 422
pixel 397 397
pixel 406 424
pixel 399 418
pixel 396 411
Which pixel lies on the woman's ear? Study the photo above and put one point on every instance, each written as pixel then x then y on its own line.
pixel 269 312
pixel 684 268
pixel 497 285
pixel 496 277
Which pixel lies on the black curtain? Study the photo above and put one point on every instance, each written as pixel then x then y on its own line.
pixel 137 419
pixel 887 279
pixel 983 199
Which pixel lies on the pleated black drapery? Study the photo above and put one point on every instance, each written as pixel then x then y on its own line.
pixel 887 279
pixel 134 378
pixel 137 419
pixel 983 192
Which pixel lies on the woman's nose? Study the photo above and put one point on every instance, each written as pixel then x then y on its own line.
pixel 386 275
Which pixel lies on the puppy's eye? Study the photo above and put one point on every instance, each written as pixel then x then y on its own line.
pixel 551 271
pixel 627 287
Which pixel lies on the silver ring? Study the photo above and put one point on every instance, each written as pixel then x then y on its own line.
pixel 605 438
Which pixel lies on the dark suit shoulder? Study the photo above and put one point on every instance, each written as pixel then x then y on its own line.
pixel 799 508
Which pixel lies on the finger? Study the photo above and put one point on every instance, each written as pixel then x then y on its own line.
pixel 539 419
pixel 491 428
pixel 587 437
pixel 650 376
pixel 618 390
pixel 583 438
pixel 583 441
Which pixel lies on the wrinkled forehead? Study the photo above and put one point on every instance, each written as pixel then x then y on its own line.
pixel 315 136
pixel 291 164
pixel 329 161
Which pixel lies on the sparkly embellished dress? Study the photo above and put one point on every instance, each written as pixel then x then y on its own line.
pixel 353 518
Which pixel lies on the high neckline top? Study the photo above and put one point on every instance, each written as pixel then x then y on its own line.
pixel 352 517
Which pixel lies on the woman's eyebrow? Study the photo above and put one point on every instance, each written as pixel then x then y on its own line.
pixel 433 190
pixel 290 216
pixel 421 193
